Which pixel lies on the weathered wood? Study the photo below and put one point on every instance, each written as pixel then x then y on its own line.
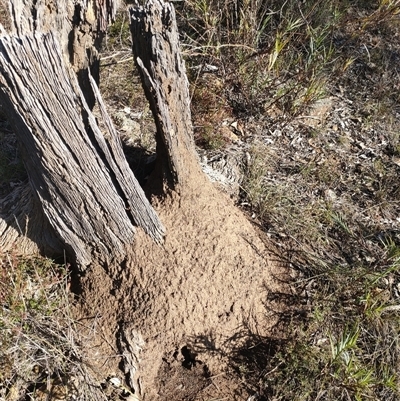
pixel 89 195
pixel 77 23
pixel 23 226
pixel 139 208
pixel 80 27
pixel 156 49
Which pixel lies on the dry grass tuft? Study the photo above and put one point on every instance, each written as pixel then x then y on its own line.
pixel 41 348
pixel 5 19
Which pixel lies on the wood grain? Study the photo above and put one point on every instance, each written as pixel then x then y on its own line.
pixel 87 192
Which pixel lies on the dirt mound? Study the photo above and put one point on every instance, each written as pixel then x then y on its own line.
pixel 182 307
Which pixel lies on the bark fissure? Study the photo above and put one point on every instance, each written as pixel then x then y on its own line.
pixel 84 194
pixel 156 49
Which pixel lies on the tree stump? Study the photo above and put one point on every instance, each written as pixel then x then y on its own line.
pixel 157 55
pixel 80 25
pixel 194 300
pixel 83 183
pixel 179 312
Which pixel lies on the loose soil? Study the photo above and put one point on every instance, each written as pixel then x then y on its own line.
pixel 194 301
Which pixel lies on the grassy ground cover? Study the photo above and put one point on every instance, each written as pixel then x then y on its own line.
pixel 41 344
pixel 323 180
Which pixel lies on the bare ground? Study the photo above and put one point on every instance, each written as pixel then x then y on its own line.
pixel 193 301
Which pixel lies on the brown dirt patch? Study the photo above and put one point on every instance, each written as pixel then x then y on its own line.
pixel 192 301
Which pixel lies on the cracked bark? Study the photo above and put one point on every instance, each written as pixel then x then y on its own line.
pixel 87 193
pixel 157 54
pixel 82 182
